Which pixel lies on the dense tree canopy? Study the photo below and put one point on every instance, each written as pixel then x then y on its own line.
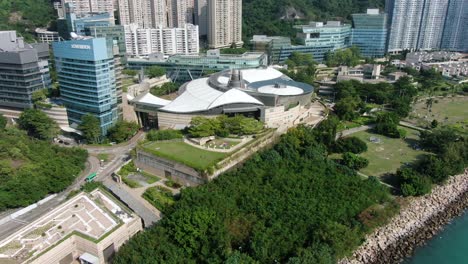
pixel 31 169
pixel 3 122
pixel 155 71
pixel 288 203
pixel 264 16
pixel 25 16
pixel 348 57
pixel 38 124
pixel 164 89
pixel 224 126
pixel 123 131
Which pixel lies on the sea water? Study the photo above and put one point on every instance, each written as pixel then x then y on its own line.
pixel 450 246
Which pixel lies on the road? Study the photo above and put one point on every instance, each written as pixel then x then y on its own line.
pixel 119 152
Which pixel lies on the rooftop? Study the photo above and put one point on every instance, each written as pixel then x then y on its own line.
pixel 91 215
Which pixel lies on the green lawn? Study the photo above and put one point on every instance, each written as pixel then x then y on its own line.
pixel 179 151
pixel 388 155
pixel 448 111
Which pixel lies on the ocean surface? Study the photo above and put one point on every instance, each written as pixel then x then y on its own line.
pixel 450 246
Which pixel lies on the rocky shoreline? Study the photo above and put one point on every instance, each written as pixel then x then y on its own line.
pixel 417 222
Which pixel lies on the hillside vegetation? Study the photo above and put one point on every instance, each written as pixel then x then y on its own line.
pixel 30 168
pixel 288 204
pixel 264 16
pixel 25 16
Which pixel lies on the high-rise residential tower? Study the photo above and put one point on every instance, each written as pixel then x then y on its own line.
pixel 416 24
pixel 455 36
pixel 83 7
pixel 369 33
pixel 201 16
pixel 86 74
pixel 224 23
pixel 144 13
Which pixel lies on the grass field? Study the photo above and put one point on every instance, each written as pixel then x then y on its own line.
pixel 179 151
pixel 388 155
pixel 448 111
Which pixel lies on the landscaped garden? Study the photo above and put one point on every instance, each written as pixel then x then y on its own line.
pixel 386 154
pixel 447 111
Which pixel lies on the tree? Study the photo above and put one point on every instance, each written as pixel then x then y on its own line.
pixel 349 57
pixel 434 124
pixel 353 161
pixel 3 122
pixel 348 108
pixel 129 72
pixel 123 131
pixel 165 89
pixel 387 125
pixel 412 183
pixel 38 124
pixel 155 71
pixel 39 95
pixel 350 144
pixel 91 128
pixel 203 127
pixel 438 139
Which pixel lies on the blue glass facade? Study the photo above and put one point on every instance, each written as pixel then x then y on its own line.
pixel 370 34
pixel 455 36
pixel 87 79
pixel 316 38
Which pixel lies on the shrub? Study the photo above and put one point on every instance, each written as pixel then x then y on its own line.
pixel 350 144
pixel 412 183
pixel 354 162
pixel 157 135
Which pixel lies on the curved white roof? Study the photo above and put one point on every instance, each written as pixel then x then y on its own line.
pixel 199 96
pixel 258 75
pixel 148 98
pixel 223 80
pixel 234 96
pixel 288 90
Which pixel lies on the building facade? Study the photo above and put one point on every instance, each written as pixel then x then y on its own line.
pixel 201 16
pixel 168 41
pixel 316 39
pixel 455 36
pixel 24 69
pixel 418 24
pixel 182 68
pixel 84 7
pixel 46 36
pixel 86 74
pixel 224 23
pixel 369 33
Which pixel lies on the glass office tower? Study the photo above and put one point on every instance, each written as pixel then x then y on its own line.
pixel 87 79
pixel 369 33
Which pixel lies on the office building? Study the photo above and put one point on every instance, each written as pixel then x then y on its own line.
pixel 416 24
pixel 316 39
pixel 78 24
pixel 85 7
pixel 168 41
pixel 182 68
pixel 224 23
pixel 116 34
pixel 87 78
pixel 24 69
pixel 87 228
pixel 455 36
pixel 369 33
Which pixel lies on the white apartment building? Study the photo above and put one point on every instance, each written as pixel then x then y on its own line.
pixel 144 13
pixel 168 41
pixel 83 7
pixel 224 23
pixel 416 24
pixel 180 12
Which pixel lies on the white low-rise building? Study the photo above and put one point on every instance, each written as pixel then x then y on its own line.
pixel 168 41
